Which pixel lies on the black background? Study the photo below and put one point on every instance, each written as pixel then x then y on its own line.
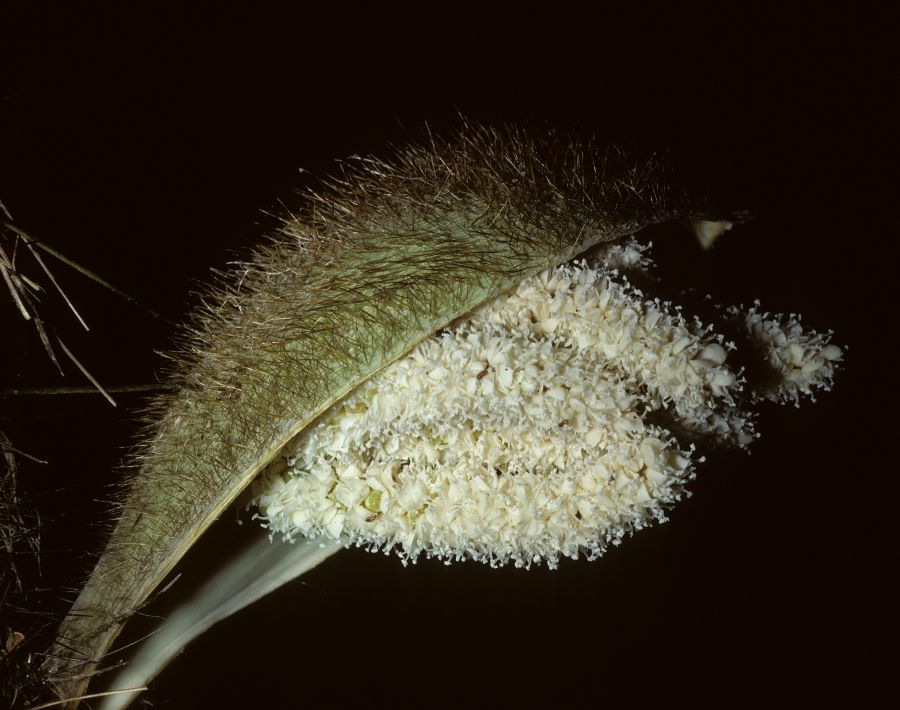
pixel 147 144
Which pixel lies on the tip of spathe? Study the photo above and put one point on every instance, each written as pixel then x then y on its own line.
pixel 708 231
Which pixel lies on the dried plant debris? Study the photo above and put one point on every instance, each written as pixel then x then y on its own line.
pixel 19 527
pixel 25 293
pixel 20 542
pixel 418 360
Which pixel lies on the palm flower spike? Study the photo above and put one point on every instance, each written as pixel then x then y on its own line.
pixel 439 355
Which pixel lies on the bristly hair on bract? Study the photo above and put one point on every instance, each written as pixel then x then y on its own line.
pixel 383 256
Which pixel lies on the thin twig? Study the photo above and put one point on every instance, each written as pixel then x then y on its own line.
pixel 87 272
pixel 5 447
pixel 23 301
pixel 85 372
pixel 118 389
pixel 14 291
pixel 39 324
pixel 37 258
pixel 34 285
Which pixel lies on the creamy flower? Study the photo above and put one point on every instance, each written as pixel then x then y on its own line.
pixel 521 432
pixel 800 361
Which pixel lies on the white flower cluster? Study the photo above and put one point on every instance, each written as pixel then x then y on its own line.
pixel 520 433
pixel 800 361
